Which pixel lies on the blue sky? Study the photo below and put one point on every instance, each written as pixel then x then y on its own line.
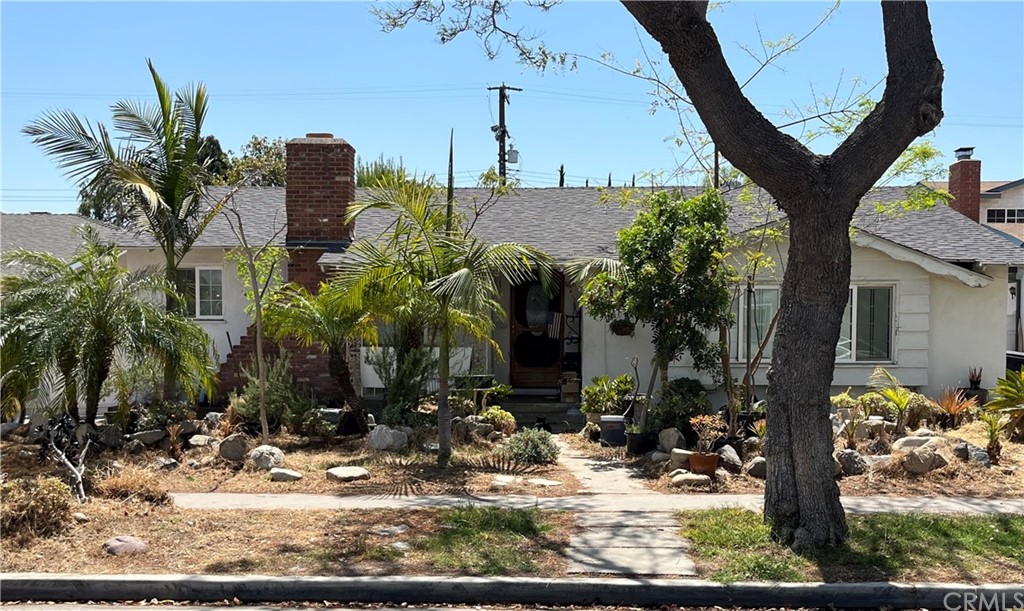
pixel 287 69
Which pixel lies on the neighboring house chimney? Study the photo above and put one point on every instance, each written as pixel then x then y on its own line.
pixel 321 185
pixel 965 184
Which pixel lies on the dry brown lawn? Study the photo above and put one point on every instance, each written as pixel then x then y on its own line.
pixel 282 543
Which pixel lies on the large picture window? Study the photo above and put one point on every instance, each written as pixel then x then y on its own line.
pixel 866 333
pixel 765 304
pixel 203 291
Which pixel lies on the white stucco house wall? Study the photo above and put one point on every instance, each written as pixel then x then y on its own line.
pixel 928 288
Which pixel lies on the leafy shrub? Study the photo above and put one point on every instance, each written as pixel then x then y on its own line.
pixel 132 482
pixel 843 401
pixel 874 404
pixel 287 402
pixel 1009 402
pixel 395 414
pixel 35 508
pixel 404 372
pixel 531 447
pixel 680 400
pixel 920 408
pixel 605 395
pixel 159 414
pixel 708 428
pixel 955 405
pixel 500 419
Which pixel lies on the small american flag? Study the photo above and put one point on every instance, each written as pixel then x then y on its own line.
pixel 555 325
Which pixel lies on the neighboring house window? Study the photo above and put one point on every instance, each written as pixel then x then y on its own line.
pixel 765 304
pixel 1005 215
pixel 866 333
pixel 203 290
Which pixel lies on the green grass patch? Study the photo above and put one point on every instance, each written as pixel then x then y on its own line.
pixel 735 545
pixel 485 540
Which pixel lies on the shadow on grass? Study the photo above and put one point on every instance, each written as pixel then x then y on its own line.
pixel 242 565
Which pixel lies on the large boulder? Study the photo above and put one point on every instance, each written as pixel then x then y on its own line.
pixel 909 443
pixel 347 474
pixel 384 438
pixel 149 437
pixel 757 467
pixel 234 447
pixel 670 439
pixel 189 427
pixel 110 436
pixel 729 459
pixel 680 459
pixel 922 460
pixel 480 429
pixel 874 461
pixel 752 445
pixel 659 457
pixel 267 457
pixel 134 446
pixel 852 462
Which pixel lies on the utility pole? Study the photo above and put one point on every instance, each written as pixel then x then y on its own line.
pixel 500 131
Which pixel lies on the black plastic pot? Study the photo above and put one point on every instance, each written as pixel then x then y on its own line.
pixel 641 443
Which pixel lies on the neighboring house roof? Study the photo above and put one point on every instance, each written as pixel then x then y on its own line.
pixel 575 222
pixel 986 185
pixel 46 232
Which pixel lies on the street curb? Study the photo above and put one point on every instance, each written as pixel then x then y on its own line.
pixel 505 590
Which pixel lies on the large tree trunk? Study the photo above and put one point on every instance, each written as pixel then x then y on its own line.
pixel 339 365
pixel 801 495
pixel 170 384
pixel 444 410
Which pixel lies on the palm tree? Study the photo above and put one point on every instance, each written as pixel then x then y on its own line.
pixel 327 319
pixel 160 171
pixel 76 317
pixel 430 260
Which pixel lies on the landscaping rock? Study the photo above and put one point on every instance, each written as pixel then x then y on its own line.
pixel 922 460
pixel 837 469
pixel 408 430
pixel 544 483
pixel 972 453
pixel 384 438
pixel 659 457
pixel 852 462
pixel 691 480
pixel 481 429
pixel 267 457
pixel 909 443
pixel 38 427
pixel 149 437
pixel 122 545
pixel 110 436
pixel 680 459
pixel 200 441
pixel 677 472
pixel 80 517
pixel 134 446
pixel 212 420
pixel 757 467
pixel 393 531
pixel 729 459
pixel 495 436
pixel 401 546
pixel 284 475
pixel 722 475
pixel 751 446
pixel 347 474
pixel 925 432
pixel 670 439
pixel 188 427
pixel 194 464
pixel 206 461
pixel 233 447
pixel 166 464
pixel 875 461
pixel 502 481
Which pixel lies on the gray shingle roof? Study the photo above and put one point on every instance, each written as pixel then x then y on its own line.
pixel 42 231
pixel 574 222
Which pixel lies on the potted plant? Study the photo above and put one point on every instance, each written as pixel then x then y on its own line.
pixel 639 441
pixel 974 377
pixel 605 396
pixel 709 429
pixel 974 389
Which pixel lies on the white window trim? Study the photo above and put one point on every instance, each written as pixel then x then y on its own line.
pixel 853 360
pixel 741 322
pixel 197 269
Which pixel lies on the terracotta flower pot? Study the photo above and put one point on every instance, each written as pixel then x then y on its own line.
pixel 704 463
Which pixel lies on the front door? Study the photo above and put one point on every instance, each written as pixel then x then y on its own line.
pixel 536 322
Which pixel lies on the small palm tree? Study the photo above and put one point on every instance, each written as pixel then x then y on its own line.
pixel 77 316
pixel 324 319
pixel 159 174
pixel 430 261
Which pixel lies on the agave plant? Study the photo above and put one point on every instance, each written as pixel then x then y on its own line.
pixel 1008 401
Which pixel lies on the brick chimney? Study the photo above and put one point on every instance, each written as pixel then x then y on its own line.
pixel 965 184
pixel 321 185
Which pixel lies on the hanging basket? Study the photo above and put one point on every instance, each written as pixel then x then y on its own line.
pixel 622 326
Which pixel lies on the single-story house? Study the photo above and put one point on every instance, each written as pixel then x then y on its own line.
pixel 928 293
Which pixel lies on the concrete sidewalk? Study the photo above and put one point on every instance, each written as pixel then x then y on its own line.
pixel 643 502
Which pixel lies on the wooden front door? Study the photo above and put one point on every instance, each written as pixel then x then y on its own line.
pixel 536 322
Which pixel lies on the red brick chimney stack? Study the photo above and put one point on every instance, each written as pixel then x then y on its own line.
pixel 965 184
pixel 321 185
